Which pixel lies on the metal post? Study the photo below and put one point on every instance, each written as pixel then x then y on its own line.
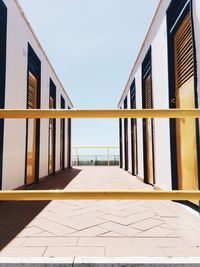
pixel 76 156
pixel 30 195
pixel 108 156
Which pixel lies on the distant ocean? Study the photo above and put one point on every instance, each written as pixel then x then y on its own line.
pixel 96 157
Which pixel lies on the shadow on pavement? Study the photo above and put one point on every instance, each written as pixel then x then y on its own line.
pixel 16 215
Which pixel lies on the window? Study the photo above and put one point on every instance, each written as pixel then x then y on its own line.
pixel 184 134
pixel 147 103
pixel 52 130
pixel 33 125
pixel 133 130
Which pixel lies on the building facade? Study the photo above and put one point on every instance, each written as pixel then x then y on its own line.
pixel 29 149
pixel 165 152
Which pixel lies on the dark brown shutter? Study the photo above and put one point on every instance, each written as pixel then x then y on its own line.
pixel 183 52
pixel 148 100
pixel 32 91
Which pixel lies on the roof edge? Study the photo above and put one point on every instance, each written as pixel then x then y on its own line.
pixel 40 46
pixel 140 51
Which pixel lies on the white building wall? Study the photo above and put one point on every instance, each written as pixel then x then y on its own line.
pixel 44 123
pixel 157 38
pixel 18 36
pixel 139 128
pixel 138 84
pixel 152 32
pixel 161 101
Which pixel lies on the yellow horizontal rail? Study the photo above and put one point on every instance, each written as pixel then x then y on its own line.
pixel 115 113
pixel 98 195
pixel 98 147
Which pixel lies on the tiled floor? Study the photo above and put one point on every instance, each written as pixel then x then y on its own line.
pixel 97 228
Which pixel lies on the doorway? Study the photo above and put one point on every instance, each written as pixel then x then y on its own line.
pixel 126 137
pixel 183 95
pixel 31 132
pixel 52 130
pixel 185 98
pixel 148 129
pixel 133 131
pixel 62 137
pixel 32 125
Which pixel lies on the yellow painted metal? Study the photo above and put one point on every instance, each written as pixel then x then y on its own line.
pixel 186 141
pixel 149 154
pixel 112 113
pixel 94 147
pixel 185 98
pixel 76 156
pixel 98 147
pixel 98 195
pixel 108 195
pixel 108 156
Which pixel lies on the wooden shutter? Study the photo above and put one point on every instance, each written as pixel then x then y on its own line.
pixel 32 91
pixel 183 48
pixel 148 100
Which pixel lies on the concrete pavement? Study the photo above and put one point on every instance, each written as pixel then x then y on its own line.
pixel 97 228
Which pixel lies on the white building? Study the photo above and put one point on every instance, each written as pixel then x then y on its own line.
pixel 29 149
pixel 166 74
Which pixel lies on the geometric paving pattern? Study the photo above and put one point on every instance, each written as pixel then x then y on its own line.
pixel 97 228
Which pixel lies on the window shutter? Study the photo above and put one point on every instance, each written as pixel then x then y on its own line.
pixel 32 91
pixel 183 52
pixel 148 99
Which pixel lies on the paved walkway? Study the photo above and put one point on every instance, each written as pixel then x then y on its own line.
pixel 97 228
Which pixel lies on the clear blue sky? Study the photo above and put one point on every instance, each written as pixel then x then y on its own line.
pixel 92 45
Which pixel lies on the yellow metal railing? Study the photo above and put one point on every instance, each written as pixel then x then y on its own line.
pixel 98 195
pixel 108 148
pixel 110 113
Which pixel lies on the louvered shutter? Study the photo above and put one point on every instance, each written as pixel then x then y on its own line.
pixel 183 52
pixel 148 100
pixel 32 91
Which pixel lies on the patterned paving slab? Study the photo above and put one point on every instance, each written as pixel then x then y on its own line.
pixel 97 228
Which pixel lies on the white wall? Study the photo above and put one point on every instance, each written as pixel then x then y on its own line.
pixel 157 38
pixel 139 128
pixel 138 84
pixel 161 101
pixel 18 36
pixel 152 32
